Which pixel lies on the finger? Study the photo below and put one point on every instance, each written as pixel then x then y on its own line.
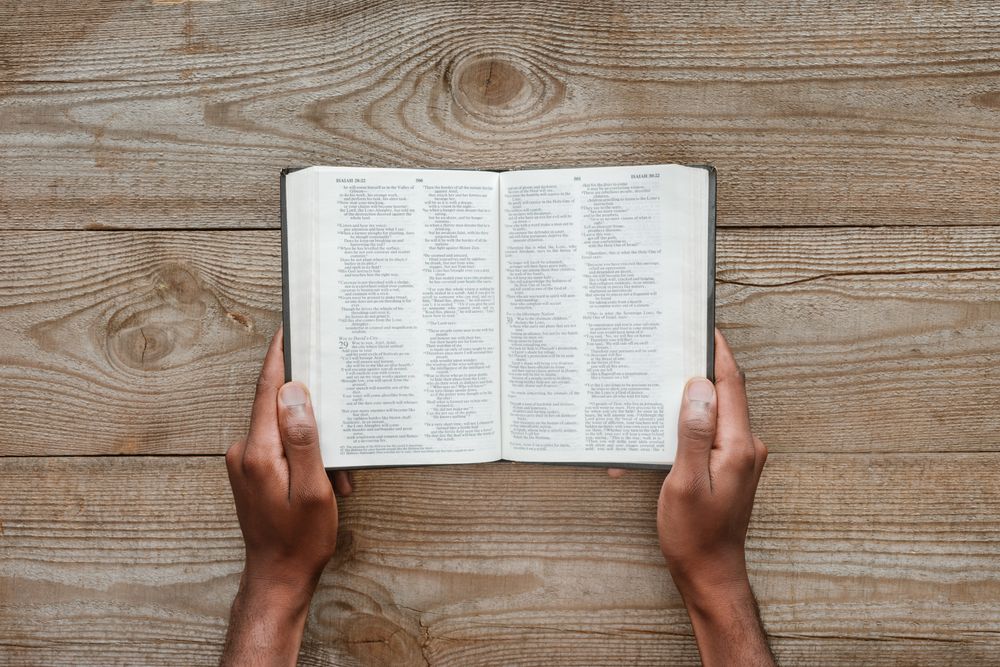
pixel 734 417
pixel 300 440
pixel 760 451
pixel 262 439
pixel 341 480
pixel 616 473
pixel 696 427
pixel 343 483
pixel 234 459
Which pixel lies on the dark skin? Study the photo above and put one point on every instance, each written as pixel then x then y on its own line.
pixel 288 514
pixel 704 511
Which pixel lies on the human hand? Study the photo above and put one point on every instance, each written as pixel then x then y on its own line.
pixel 704 511
pixel 288 515
pixel 706 500
pixel 284 499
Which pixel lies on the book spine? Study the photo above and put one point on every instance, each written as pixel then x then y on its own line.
pixel 710 362
pixel 286 334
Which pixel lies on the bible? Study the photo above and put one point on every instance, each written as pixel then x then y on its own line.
pixel 449 316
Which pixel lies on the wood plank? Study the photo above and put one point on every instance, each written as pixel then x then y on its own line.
pixel 129 343
pixel 867 341
pixel 853 340
pixel 181 114
pixel 855 558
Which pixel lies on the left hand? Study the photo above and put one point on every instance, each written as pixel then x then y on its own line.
pixel 284 500
pixel 288 515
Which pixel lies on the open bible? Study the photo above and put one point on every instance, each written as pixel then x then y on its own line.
pixel 446 316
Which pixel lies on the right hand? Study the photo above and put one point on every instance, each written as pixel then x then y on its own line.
pixel 707 497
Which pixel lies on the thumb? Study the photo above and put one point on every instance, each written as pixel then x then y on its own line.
pixel 696 425
pixel 300 440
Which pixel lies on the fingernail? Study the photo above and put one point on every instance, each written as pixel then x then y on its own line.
pixel 700 389
pixel 292 394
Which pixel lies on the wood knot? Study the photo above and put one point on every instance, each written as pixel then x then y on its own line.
pixel 378 641
pixel 147 332
pixel 178 285
pixel 490 82
pixel 501 87
pixel 143 346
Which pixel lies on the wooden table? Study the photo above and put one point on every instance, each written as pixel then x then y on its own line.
pixel 858 280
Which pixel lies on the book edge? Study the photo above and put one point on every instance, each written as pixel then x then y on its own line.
pixel 709 363
pixel 710 347
pixel 578 464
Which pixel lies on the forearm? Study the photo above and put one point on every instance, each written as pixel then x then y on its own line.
pixel 727 625
pixel 266 623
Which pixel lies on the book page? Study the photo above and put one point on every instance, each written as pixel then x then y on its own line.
pixel 298 249
pixel 406 350
pixel 603 309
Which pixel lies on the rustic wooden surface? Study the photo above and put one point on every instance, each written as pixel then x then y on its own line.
pixel 858 280
pixel 856 558
pixel 859 339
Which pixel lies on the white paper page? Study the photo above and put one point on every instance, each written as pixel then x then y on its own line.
pixel 603 318
pixel 299 249
pixel 408 316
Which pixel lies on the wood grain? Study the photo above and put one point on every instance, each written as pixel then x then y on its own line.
pixel 855 559
pixel 124 343
pixel 858 281
pixel 869 340
pixel 180 115
pixel 859 340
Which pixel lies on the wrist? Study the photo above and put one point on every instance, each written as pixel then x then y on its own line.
pixel 266 621
pixel 281 596
pixel 713 584
pixel 725 619
pixel 712 601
